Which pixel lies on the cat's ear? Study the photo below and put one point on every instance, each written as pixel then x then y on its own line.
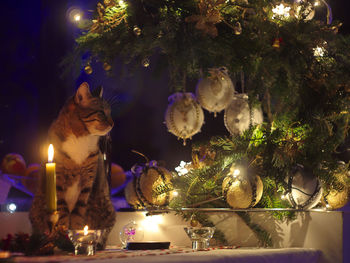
pixel 83 94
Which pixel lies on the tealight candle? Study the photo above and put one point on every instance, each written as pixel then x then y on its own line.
pixel 51 198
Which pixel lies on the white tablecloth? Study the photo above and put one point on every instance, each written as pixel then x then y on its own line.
pixel 240 255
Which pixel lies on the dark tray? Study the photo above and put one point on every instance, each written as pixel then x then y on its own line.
pixel 147 245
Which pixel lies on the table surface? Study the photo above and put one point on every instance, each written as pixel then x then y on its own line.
pixel 186 255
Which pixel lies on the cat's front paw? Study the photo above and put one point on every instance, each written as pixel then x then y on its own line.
pixel 63 220
pixel 77 222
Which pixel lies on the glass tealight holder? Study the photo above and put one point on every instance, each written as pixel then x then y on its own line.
pixel 84 241
pixel 200 236
pixel 131 232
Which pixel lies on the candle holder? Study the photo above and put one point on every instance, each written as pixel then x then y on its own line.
pixel 84 241
pixel 54 216
pixel 200 236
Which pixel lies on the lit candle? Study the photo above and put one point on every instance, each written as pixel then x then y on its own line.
pixel 51 198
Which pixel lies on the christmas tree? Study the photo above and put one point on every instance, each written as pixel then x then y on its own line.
pixel 282 70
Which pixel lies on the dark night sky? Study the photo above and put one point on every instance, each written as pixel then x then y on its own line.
pixel 36 35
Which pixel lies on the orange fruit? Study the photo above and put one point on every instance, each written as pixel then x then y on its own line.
pixel 118 176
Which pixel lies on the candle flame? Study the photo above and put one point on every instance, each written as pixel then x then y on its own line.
pixel 50 153
pixel 86 228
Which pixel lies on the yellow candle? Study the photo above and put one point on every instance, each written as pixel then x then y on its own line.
pixel 51 198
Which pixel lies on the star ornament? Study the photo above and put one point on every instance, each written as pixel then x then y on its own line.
pixel 281 11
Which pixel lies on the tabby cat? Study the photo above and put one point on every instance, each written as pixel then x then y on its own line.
pixel 83 196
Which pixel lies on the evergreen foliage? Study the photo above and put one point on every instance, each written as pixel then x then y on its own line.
pixel 297 69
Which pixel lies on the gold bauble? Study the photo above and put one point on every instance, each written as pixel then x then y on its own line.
pixel 106 66
pixel 338 199
pixel 155 185
pixel 239 191
pixel 131 196
pixel 194 222
pixel 137 30
pixel 88 69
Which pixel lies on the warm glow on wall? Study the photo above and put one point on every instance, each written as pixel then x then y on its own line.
pixel 151 223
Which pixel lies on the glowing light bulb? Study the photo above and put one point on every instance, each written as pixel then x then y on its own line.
pixel 175 193
pixel 236 172
pixel 77 17
pixel 328 206
pixel 122 3
pixel 181 169
pixel 319 51
pixel 317 3
pixel 283 197
pixel 11 207
pixel 74 14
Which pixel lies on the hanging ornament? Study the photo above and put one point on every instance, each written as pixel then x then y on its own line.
pixel 106 66
pixel 215 93
pixel 145 62
pixel 88 69
pixel 137 31
pixel 184 117
pixel 238 116
pixel 240 189
pixel 160 34
pixel 238 28
pixel 193 222
pixel 304 189
pixel 337 198
pixel 151 186
pixel 277 43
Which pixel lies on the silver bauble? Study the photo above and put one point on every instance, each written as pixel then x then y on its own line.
pixel 184 117
pixel 305 11
pixel 215 93
pixel 304 189
pixel 238 117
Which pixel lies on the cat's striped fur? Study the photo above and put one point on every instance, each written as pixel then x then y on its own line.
pixel 83 196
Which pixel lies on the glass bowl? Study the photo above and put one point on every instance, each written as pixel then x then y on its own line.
pixel 84 241
pixel 200 236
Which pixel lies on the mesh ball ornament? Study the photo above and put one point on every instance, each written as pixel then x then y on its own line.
pixel 151 186
pixel 242 190
pixel 131 196
pixel 155 185
pixel 304 189
pixel 184 117
pixel 337 198
pixel 238 116
pixel 215 92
